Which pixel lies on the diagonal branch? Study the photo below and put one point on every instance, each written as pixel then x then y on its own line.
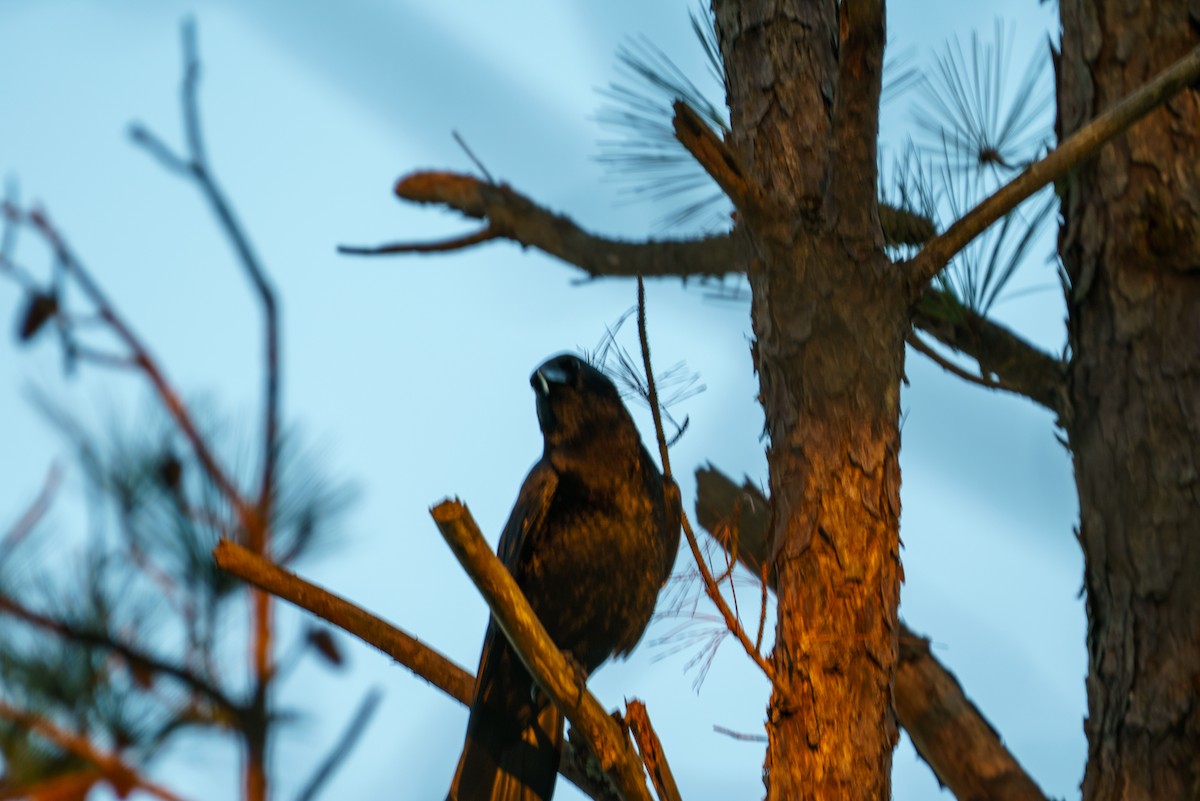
pixel 713 155
pixel 1079 146
pixel 949 732
pixel 855 124
pixel 410 652
pixel 537 651
pixel 1019 366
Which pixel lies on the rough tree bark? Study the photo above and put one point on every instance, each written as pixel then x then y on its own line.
pixel 1131 246
pixel 830 320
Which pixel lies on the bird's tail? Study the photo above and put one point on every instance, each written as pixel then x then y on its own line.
pixel 522 766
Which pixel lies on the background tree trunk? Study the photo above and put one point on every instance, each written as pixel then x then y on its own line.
pixel 1131 246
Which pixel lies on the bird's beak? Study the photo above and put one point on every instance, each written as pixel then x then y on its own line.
pixel 546 375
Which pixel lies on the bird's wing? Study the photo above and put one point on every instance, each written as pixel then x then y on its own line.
pixel 528 514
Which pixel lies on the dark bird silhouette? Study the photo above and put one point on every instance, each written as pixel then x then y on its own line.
pixel 590 541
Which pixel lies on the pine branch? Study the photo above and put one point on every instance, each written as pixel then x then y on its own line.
pixel 1081 145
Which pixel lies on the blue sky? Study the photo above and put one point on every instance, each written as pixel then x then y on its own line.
pixel 410 375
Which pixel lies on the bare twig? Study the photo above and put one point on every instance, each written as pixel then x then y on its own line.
pixel 1079 146
pixel 519 219
pixel 354 730
pixel 471 155
pixel 485 234
pixel 256 518
pixel 710 585
pixel 737 735
pixel 951 367
pixel 649 746
pixel 537 651
pixel 32 514
pixel 122 777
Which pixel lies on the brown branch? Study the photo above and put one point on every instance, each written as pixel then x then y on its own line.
pixel 854 130
pixel 950 734
pixel 711 152
pixel 374 631
pixel 485 234
pixel 122 777
pixel 515 217
pixel 410 652
pixel 1020 366
pixel 946 728
pixel 649 746
pixel 711 588
pixel 550 669
pixel 1079 146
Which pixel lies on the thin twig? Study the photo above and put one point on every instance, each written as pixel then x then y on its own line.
pixel 950 366
pixel 116 772
pixel 737 735
pixel 710 585
pixel 354 730
pixel 32 514
pixel 1081 145
pixel 485 234
pixel 471 155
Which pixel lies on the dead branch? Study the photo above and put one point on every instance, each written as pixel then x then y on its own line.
pixel 947 729
pixel 649 746
pixel 537 651
pixel 711 587
pixel 513 216
pixel 711 152
pixel 1079 146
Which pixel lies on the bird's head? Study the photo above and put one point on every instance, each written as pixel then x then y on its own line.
pixel 577 405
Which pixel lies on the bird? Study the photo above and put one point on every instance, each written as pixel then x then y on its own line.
pixel 590 541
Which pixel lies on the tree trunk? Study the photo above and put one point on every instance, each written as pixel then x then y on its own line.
pixel 1131 246
pixel 830 317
